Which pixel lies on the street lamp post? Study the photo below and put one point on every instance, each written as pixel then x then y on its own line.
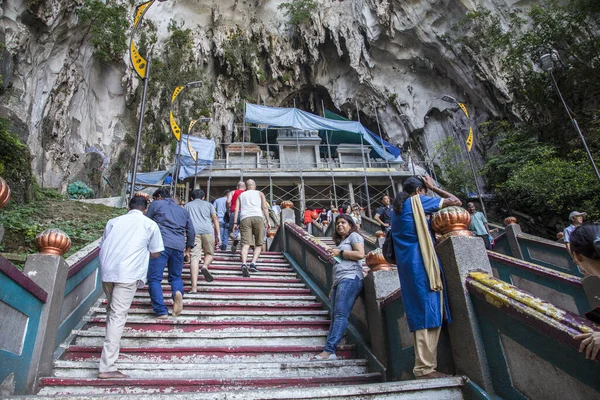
pixel 469 143
pixel 547 63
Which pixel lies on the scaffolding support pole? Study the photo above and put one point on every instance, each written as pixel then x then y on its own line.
pixel 362 152
pixel 330 158
pixel 302 198
pixel 269 167
pixel 243 142
pixel 383 147
pixel 208 183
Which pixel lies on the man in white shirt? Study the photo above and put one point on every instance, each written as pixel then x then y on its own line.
pixel 251 206
pixel 125 250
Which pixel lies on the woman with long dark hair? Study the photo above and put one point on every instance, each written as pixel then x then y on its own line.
pixel 585 247
pixel 347 280
pixel 421 278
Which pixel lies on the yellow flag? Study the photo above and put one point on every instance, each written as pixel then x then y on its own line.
pixel 139 12
pixel 469 140
pixel 176 93
pixel 174 127
pixel 464 108
pixel 139 63
pixel 193 153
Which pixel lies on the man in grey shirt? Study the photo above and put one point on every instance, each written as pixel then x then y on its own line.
pixel 205 221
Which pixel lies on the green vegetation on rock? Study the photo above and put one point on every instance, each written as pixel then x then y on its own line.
pixel 83 222
pixel 107 23
pixel 299 11
pixel 538 165
pixel 15 164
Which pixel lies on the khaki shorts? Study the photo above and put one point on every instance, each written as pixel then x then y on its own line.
pixel 204 242
pixel 252 226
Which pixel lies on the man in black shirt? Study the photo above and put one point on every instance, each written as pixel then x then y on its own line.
pixel 384 214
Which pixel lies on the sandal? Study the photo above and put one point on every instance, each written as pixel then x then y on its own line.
pixel 321 357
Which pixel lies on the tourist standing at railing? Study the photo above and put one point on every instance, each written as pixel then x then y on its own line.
pixel 178 235
pixel 479 225
pixel 576 219
pixel 231 202
pixel 126 246
pixel 251 207
pixel 347 280
pixel 421 277
pixel 356 217
pixel 220 205
pixel 585 247
pixel 383 215
pixel 205 220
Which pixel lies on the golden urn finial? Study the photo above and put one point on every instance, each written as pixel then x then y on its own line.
pixel 4 193
pixel 451 221
pixel 53 241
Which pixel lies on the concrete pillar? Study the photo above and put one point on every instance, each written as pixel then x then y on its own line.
pixel 351 193
pixel 512 231
pixel 378 286
pixel 287 214
pixel 460 255
pixel 50 273
pixel 398 187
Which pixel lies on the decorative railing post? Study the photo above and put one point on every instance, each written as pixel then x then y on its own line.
pixel 381 281
pixel 460 253
pixel 49 270
pixel 287 214
pixel 512 231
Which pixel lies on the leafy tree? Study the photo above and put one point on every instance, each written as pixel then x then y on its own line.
pixel 537 162
pixel 15 164
pixel 299 11
pixel 107 26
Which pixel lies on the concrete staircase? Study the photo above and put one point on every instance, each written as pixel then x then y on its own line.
pixel 236 338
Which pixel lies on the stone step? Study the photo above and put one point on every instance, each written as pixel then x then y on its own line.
pixel 87 369
pixel 438 389
pixel 240 282
pixel 208 339
pixel 237 277
pixel 225 313
pixel 235 271
pixel 268 265
pixel 242 289
pixel 59 386
pixel 186 325
pixel 231 305
pixel 163 355
pixel 238 296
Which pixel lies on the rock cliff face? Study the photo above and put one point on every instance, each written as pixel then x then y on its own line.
pixel 386 56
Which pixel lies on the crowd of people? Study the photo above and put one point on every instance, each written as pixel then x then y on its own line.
pixel 136 248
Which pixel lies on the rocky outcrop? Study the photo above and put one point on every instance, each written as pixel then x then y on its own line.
pixel 386 56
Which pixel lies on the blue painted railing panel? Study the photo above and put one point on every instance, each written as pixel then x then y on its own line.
pixel 70 322
pixel 559 282
pixel 548 254
pixel 15 296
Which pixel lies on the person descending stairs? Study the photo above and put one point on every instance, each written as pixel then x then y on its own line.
pixel 236 333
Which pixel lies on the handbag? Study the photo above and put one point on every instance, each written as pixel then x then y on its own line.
pixel 388 248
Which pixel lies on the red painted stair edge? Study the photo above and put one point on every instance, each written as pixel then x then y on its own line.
pixel 202 350
pixel 203 382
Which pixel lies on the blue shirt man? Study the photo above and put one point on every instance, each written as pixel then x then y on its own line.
pixel 178 236
pixel 479 225
pixel 221 207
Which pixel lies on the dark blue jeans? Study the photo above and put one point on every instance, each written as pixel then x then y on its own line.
pixel 173 259
pixel 343 297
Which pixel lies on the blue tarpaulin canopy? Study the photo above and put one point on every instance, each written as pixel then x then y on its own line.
pixel 298 119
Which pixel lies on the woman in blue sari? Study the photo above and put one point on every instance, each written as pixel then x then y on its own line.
pixel 425 302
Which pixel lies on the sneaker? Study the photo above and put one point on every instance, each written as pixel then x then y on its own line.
pixel 207 275
pixel 177 304
pixel 223 247
pixel 234 245
pixel 253 267
pixel 245 272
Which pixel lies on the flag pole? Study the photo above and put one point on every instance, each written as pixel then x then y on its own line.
pixel 139 132
pixel 330 158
